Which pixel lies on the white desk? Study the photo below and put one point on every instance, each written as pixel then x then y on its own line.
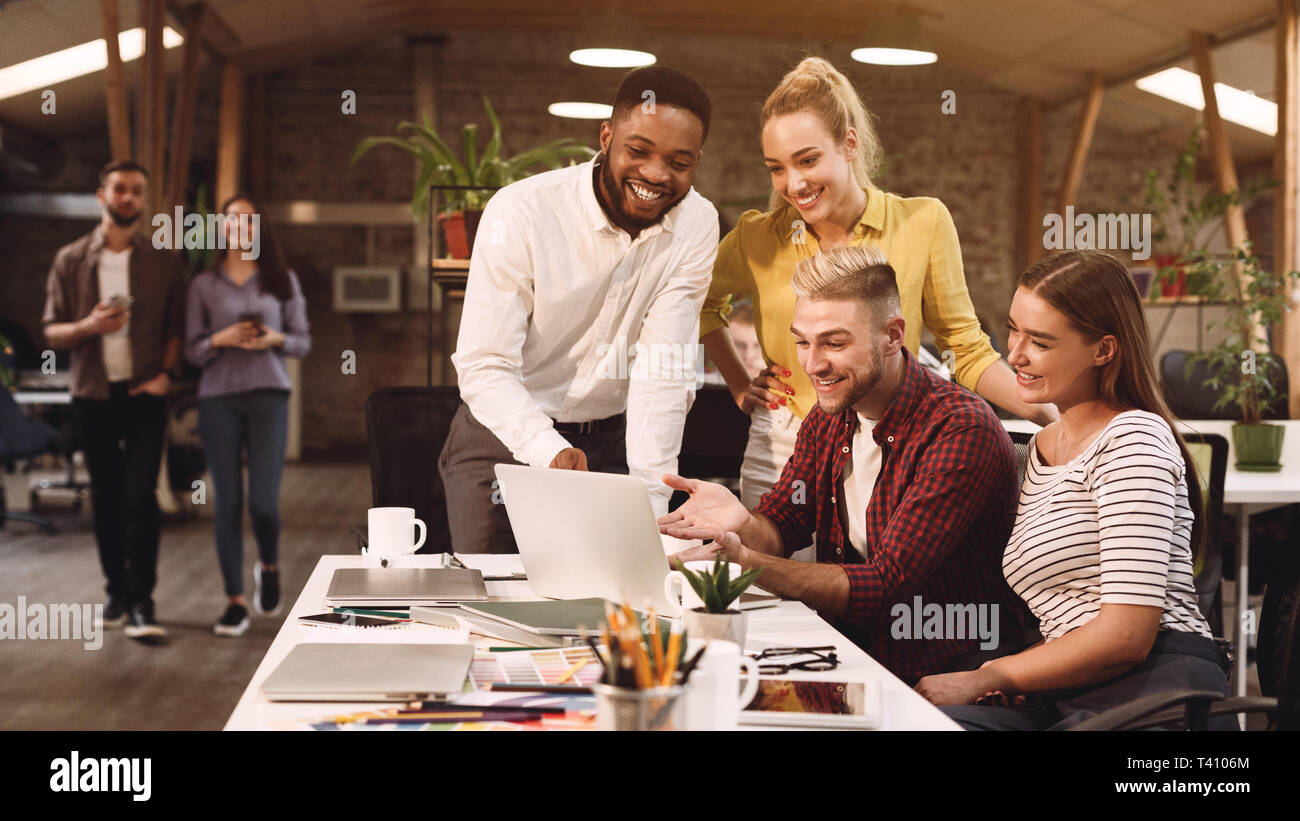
pixel 790 624
pixel 1249 493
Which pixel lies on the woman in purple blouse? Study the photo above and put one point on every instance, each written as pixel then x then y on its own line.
pixel 242 320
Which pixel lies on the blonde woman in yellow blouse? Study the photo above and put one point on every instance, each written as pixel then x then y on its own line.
pixel 821 149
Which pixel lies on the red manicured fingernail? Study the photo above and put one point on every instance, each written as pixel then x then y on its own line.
pixel 787 373
pixel 771 405
pixel 782 400
pixel 790 391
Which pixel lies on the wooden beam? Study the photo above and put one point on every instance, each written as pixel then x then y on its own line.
pixel 1031 169
pixel 183 114
pixel 157 125
pixel 1225 173
pixel 230 132
pixel 1286 170
pixel 119 123
pixel 1082 142
pixel 258 135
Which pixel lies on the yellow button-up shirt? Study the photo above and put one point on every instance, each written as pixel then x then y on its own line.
pixel 759 255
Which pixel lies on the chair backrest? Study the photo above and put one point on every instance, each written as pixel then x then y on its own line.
pixel 715 435
pixel 1210 453
pixel 20 436
pixel 1279 634
pixel 406 428
pixel 1190 398
pixel 1021 440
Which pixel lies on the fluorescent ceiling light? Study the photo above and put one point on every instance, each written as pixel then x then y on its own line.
pixel 581 111
pixel 894 56
pixel 612 57
pixel 65 64
pixel 1235 105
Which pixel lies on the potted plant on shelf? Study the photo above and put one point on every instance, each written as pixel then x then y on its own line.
pixel 482 172
pixel 1236 368
pixel 1186 223
pixel 717 619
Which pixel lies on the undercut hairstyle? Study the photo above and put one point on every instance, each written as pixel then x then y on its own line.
pixel 120 165
pixel 669 86
pixel 857 273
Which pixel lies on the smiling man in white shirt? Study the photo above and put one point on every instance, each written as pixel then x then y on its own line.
pixel 575 274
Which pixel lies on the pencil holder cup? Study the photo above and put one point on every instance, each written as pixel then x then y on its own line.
pixel 624 708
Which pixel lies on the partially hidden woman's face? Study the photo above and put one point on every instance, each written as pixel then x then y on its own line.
pixel 1053 360
pixel 234 211
pixel 809 169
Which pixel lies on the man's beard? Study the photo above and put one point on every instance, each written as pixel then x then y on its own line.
pixel 614 197
pixel 118 218
pixel 854 391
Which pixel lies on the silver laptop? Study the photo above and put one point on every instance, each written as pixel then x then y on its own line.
pixel 404 586
pixel 584 534
pixel 369 672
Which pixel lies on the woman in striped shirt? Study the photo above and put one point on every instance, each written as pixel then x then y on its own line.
pixel 1105 534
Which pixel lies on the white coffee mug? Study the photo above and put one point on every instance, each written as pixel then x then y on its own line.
pixel 390 533
pixel 715 698
pixel 687 598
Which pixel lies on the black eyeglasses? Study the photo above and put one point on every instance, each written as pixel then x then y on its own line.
pixel 823 659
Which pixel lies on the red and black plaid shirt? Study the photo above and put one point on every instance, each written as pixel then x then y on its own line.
pixel 936 526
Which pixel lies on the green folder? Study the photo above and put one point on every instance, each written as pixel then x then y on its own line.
pixel 552 617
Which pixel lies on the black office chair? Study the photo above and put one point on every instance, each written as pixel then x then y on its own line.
pixel 406 429
pixel 1192 709
pixel 1021 441
pixel 1190 398
pixel 21 437
pixel 1210 451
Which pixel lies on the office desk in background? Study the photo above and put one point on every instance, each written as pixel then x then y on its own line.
pixel 1245 493
pixel 789 624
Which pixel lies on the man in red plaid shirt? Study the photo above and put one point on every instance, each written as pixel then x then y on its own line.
pixel 907 480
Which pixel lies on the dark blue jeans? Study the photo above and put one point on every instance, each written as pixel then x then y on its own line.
pixel 259 421
pixel 1177 661
pixel 123 439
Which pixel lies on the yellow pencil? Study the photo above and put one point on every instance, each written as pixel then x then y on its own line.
pixel 573 670
pixel 674 651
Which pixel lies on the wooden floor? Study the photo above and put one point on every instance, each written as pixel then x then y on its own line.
pixel 193 680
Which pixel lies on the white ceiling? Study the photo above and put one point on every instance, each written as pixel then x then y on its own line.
pixel 1042 48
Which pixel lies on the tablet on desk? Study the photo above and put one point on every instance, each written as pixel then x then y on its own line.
pixel 829 704
pixel 404 586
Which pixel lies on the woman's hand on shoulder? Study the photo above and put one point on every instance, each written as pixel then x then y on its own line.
pixel 766 389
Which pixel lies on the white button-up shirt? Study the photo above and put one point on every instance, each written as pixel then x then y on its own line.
pixel 566 317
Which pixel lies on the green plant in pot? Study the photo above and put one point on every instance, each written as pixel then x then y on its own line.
pixel 1239 368
pixel 718 591
pixel 482 171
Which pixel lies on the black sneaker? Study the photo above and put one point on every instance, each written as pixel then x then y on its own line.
pixel 113 615
pixel 266 591
pixel 234 622
pixel 140 624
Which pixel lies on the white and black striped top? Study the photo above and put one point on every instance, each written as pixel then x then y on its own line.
pixel 1114 526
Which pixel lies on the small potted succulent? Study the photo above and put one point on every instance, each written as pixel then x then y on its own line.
pixel 717 619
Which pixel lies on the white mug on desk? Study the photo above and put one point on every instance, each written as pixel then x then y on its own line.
pixel 390 530
pixel 715 699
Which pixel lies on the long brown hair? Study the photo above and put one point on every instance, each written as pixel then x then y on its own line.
pixel 818 87
pixel 272 273
pixel 1096 293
